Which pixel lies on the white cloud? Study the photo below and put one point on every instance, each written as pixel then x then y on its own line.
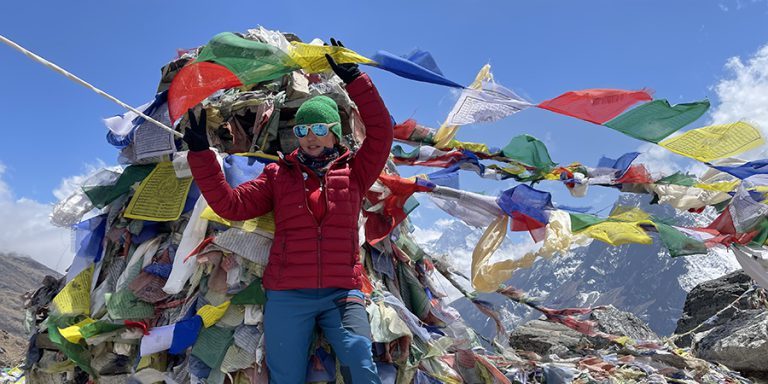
pixel 659 161
pixel 427 235
pixel 70 184
pixel 743 95
pixel 26 228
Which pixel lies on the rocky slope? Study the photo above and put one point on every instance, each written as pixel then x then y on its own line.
pixel 19 274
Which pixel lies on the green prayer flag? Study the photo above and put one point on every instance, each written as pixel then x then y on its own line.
pixel 252 294
pixel 212 344
pixel 580 221
pixel 124 305
pixel 102 195
pixel 251 61
pixel 99 327
pixel 407 245
pixel 656 120
pixel 398 151
pixel 678 178
pixel 75 352
pixel 762 234
pixel 678 243
pixel 412 292
pixel 530 151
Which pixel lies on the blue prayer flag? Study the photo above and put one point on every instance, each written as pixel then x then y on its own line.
pixel 418 65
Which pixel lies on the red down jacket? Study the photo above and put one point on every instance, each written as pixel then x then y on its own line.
pixel 307 252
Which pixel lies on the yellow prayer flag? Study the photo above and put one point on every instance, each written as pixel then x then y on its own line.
pixel 265 222
pixel 630 214
pixel 160 197
pixel 312 59
pixel 72 333
pixel 723 186
pixel 75 298
pixel 472 147
pixel 617 233
pixel 211 314
pixel 715 141
pixel 488 244
pixel 558 238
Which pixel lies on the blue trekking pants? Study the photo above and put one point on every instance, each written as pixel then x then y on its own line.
pixel 289 322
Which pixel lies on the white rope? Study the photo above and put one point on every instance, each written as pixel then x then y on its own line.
pixel 83 83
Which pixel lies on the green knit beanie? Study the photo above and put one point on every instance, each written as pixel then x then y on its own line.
pixel 320 109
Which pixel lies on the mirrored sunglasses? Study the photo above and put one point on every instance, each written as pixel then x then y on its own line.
pixel 319 129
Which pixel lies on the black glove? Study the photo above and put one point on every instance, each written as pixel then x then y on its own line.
pixel 196 137
pixel 347 72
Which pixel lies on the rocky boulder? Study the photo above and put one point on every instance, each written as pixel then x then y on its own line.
pixel 544 337
pixel 615 322
pixel 707 299
pixel 740 344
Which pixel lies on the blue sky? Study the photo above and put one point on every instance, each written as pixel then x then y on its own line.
pixel 53 131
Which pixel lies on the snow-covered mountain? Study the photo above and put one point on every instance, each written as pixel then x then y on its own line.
pixel 642 279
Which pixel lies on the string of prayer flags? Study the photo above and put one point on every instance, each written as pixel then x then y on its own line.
pixel 715 141
pixel 418 65
pixel 595 105
pixel 426 156
pixel 656 120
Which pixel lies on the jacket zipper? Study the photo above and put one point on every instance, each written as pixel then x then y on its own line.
pixel 323 181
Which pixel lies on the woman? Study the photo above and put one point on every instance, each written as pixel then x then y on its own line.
pixel 313 276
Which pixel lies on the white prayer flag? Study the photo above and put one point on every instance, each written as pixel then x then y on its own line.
pixel 492 102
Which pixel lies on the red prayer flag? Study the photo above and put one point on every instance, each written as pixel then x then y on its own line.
pixel 637 174
pixel 522 222
pixel 378 226
pixel 404 130
pixel 595 105
pixel 194 83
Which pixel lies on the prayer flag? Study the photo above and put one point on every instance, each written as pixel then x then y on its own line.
pixel 595 105
pixel 715 141
pixel 490 103
pixel 417 65
pixel 656 120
